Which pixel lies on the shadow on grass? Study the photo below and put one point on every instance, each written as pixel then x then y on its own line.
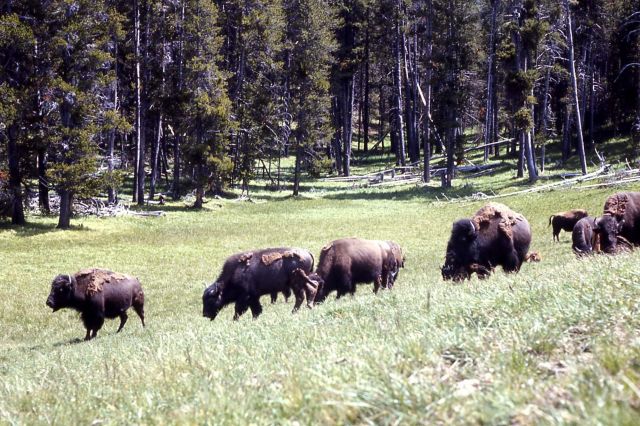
pixel 34 228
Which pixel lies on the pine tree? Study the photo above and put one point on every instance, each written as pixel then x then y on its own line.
pixel 309 46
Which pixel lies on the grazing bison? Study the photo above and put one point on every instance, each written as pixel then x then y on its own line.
pixel 248 275
pixel 97 294
pixel 348 261
pixel 494 236
pixel 619 226
pixel 565 221
pixel 585 239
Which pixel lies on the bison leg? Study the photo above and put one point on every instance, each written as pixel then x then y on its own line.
pixel 298 293
pixel 287 294
pixel 377 283
pixel 140 311
pixel 511 262
pixel 274 297
pixel 256 307
pixel 123 320
pixel 311 292
pixel 241 307
pixel 88 335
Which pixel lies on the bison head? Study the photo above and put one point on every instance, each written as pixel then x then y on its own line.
pixel 461 251
pixel 608 227
pixel 61 293
pixel 212 301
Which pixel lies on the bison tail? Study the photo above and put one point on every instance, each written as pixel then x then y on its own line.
pixel 313 261
pixel 550 219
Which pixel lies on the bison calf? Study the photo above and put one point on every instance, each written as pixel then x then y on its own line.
pixel 565 221
pixel 97 294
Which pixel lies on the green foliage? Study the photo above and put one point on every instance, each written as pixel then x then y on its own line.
pixel 523 119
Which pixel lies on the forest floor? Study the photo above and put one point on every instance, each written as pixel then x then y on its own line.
pixel 557 343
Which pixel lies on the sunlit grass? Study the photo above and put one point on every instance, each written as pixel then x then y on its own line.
pixel 557 343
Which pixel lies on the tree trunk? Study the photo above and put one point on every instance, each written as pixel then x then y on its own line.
pixel 381 120
pixel 574 84
pixel 397 80
pixel 365 106
pixel 347 115
pixel 412 142
pixel 545 107
pixel 155 156
pixel 451 147
pixel 66 202
pixel 427 110
pixel 140 137
pixel 296 175
pixel 488 130
pixel 15 181
pixel 43 186
pixel 177 138
pixel 566 134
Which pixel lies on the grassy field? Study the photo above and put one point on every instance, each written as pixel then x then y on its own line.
pixel 557 343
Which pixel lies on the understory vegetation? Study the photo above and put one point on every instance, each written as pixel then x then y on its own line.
pixel 557 343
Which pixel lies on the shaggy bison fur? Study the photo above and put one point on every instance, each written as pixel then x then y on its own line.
pixel 565 221
pixel 346 262
pixel 494 236
pixel 619 226
pixel 97 294
pixel 585 239
pixel 248 275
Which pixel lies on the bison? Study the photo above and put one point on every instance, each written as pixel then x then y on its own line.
pixel 97 294
pixel 248 275
pixel 565 221
pixel 585 239
pixel 346 262
pixel 286 293
pixel 494 236
pixel 619 226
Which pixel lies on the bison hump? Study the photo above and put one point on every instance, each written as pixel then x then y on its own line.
pixel 326 248
pixel 268 258
pixel 245 258
pixel 616 205
pixel 506 218
pixel 94 279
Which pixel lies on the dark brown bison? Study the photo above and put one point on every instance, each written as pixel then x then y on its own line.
pixel 565 221
pixel 619 226
pixel 346 262
pixel 286 293
pixel 585 239
pixel 248 275
pixel 97 294
pixel 494 236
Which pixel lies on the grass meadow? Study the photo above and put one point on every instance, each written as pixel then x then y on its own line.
pixel 557 343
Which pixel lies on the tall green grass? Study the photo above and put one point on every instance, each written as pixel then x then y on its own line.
pixel 557 343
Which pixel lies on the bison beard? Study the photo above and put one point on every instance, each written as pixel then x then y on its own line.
pixel 97 294
pixel 494 236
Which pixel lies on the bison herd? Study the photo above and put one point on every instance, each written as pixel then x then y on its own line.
pixel 494 236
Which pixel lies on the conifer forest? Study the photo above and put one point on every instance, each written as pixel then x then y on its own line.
pixel 196 96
